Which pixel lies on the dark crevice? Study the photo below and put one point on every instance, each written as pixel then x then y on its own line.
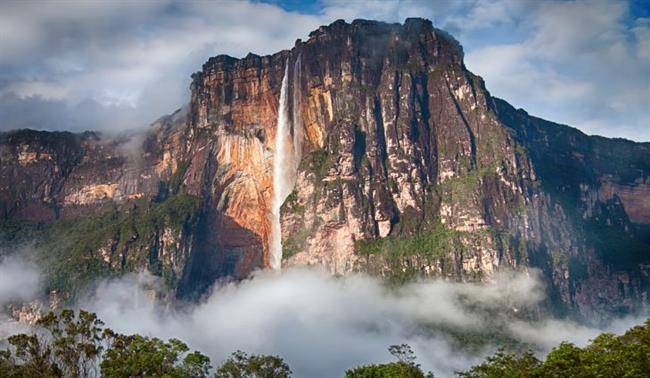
pixel 470 133
pixel 381 136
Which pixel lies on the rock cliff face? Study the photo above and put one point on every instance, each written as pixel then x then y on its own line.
pixel 403 165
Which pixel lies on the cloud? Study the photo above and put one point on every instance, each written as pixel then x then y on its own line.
pixel 323 325
pixel 133 61
pixel 583 63
pixel 19 280
pixel 549 333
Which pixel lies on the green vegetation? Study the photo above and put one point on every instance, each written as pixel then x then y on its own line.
pixel 319 162
pixel 606 356
pixel 463 187
pixel 138 356
pixel 130 233
pixel 429 244
pixel 476 341
pixel 66 344
pixel 69 250
pixel 69 344
pixel 390 370
pixel 240 365
pixel 71 347
pixel 405 367
pixel 291 204
pixel 176 180
pixel 504 365
pixel 295 242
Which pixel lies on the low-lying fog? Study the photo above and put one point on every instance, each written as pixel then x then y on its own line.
pixel 322 325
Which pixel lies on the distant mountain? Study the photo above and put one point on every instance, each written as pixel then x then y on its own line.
pixel 390 158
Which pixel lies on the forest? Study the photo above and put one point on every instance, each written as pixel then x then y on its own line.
pixel 75 344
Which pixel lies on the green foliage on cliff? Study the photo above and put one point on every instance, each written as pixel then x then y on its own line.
pixel 72 252
pixel 430 243
pixel 476 341
pixel 295 242
pixel 292 205
pixel 321 162
pixel 461 188
pixel 130 234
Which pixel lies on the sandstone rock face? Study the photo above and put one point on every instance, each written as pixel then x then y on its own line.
pixel 408 168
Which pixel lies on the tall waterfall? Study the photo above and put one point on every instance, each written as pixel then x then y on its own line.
pixel 282 166
pixel 288 152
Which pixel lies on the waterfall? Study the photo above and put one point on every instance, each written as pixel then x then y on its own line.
pixel 282 164
pixel 288 152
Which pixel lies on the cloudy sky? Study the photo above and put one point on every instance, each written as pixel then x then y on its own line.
pixel 113 66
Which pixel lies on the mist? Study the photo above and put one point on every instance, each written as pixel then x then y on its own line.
pixel 19 282
pixel 322 325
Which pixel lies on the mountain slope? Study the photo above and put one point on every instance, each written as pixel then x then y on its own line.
pixel 403 165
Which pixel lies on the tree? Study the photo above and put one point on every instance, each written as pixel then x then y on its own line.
pixel 403 353
pixel 28 357
pixel 505 365
pixel 390 370
pixel 66 344
pixel 138 356
pixel 75 341
pixel 566 358
pixel 607 355
pixel 240 365
pixel 405 367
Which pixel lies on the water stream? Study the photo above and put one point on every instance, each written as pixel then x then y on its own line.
pixel 282 167
pixel 288 152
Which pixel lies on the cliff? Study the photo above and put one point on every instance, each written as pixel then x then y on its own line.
pixel 398 163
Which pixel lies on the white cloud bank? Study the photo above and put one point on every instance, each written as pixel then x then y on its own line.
pixel 322 325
